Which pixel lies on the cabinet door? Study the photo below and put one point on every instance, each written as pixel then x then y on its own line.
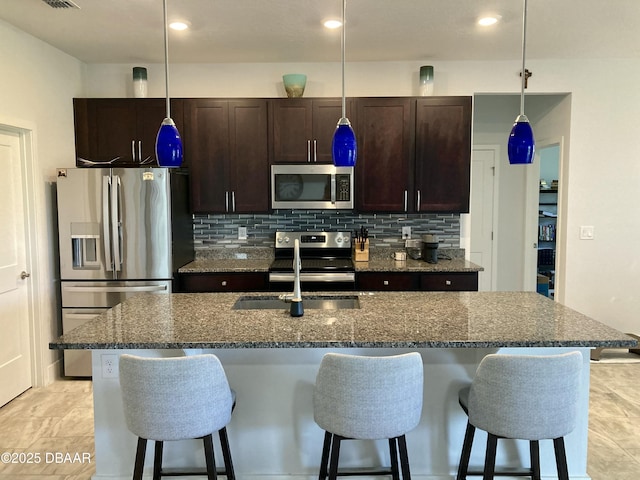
pixel 223 282
pixel 206 146
pixel 443 154
pixel 387 281
pixel 248 160
pixel 384 130
pixel 291 130
pixel 326 114
pixel 106 129
pixel 149 116
pixel 449 281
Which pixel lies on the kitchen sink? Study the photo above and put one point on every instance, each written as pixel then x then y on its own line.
pixel 310 302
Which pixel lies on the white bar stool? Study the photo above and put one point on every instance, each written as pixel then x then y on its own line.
pixel 176 398
pixel 522 397
pixel 367 398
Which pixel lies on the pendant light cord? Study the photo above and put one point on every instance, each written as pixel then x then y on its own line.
pixel 166 58
pixel 523 72
pixel 343 45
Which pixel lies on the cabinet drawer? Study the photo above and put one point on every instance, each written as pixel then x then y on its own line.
pixel 452 282
pixel 386 281
pixel 223 282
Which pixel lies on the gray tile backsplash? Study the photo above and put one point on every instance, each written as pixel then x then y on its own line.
pixel 385 230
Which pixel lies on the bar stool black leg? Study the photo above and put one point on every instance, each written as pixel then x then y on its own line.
pixel 157 460
pixel 393 455
pixel 490 459
pixel 534 449
pixel 324 461
pixel 140 453
pixel 404 458
pixel 208 455
pixel 226 454
pixel 335 453
pixel 561 458
pixel 463 468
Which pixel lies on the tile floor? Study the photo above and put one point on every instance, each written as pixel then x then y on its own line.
pixel 58 419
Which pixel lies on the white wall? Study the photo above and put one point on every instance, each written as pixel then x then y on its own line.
pixel 602 278
pixel 36 87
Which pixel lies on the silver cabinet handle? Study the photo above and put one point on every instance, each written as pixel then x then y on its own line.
pixel 226 201
pixel 447 282
pixel 315 150
pixel 223 283
pixel 233 200
pixel 308 151
pixel 418 202
pixel 406 197
pixel 24 275
pixel 139 150
pixel 385 282
pixel 133 150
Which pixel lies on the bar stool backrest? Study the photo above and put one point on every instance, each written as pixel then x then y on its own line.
pixel 174 398
pixel 364 397
pixel 525 396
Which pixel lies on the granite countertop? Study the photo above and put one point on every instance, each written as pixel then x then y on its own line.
pixel 375 264
pixel 385 319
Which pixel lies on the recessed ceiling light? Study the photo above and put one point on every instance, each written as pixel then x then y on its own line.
pixel 489 20
pixel 178 25
pixel 333 24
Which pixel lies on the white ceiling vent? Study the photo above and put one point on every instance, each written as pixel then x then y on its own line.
pixel 61 4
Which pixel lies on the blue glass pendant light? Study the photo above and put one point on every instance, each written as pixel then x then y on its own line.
pixel 521 146
pixel 343 147
pixel 168 141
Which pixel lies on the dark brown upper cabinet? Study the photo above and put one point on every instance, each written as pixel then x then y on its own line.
pixel 414 154
pixel 384 131
pixel 443 154
pixel 226 152
pixel 301 129
pixel 121 131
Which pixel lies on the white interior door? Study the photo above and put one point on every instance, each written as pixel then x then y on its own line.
pixel 15 354
pixel 481 213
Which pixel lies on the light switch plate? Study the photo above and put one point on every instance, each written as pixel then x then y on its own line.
pixel 586 232
pixel 406 233
pixel 242 233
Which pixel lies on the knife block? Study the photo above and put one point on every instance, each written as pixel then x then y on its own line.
pixel 361 255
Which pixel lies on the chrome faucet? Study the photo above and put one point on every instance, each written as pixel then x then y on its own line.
pixel 296 309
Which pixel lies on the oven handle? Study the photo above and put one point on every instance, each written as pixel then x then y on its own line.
pixel 314 277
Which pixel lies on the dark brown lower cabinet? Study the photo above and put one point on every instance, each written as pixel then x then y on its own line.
pixel 427 282
pixel 223 282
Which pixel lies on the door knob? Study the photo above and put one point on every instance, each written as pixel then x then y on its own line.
pixel 24 275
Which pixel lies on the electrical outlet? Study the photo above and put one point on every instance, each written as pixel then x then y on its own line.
pixel 242 233
pixel 109 365
pixel 406 233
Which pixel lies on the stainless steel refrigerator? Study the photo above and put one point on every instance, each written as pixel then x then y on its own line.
pixel 122 231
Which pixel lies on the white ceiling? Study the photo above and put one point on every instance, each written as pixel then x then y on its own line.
pixel 130 31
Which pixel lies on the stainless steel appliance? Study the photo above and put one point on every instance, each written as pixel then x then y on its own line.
pixel 305 186
pixel 122 231
pixel 326 262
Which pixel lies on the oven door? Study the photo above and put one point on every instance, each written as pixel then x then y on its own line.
pixel 311 186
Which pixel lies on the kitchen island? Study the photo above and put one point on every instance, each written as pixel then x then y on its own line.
pixel 271 360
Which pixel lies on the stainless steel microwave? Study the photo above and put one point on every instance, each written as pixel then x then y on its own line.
pixel 305 186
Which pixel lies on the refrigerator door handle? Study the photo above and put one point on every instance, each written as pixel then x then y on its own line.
pixel 114 289
pixel 115 223
pixel 106 236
